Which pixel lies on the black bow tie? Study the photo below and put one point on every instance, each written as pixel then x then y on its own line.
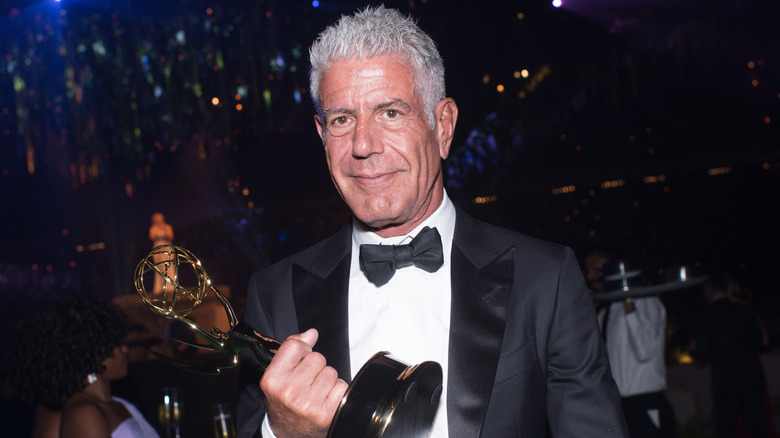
pixel 379 262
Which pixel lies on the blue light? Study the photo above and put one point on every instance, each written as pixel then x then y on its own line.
pixel 315 4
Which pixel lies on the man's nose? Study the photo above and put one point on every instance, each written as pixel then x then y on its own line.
pixel 365 142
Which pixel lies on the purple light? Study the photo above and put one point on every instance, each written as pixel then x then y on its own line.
pixel 315 4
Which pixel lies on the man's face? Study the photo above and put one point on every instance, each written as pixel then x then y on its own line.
pixel 382 154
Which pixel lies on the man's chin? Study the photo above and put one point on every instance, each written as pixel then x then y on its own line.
pixel 374 223
pixel 375 212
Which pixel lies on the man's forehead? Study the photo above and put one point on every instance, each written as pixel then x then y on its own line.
pixel 369 64
pixel 374 77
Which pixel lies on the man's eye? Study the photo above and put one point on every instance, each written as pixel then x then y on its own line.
pixel 391 113
pixel 340 120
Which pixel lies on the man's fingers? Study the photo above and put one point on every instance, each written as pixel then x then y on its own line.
pixel 309 337
pixel 323 382
pixel 291 352
pixel 302 392
pixel 309 370
pixel 336 394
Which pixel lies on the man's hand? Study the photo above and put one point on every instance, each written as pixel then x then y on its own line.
pixel 629 306
pixel 301 392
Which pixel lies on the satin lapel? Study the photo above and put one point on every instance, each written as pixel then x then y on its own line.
pixel 320 290
pixel 482 277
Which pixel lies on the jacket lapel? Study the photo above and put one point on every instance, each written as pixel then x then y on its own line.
pixel 320 290
pixel 482 276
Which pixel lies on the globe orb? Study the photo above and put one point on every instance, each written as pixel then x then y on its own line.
pixel 184 286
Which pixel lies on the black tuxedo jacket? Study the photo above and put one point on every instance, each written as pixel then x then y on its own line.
pixel 525 352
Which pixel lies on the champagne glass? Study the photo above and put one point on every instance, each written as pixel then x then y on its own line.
pixel 223 422
pixel 170 411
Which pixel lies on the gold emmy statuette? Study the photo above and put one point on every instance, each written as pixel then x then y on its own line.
pixel 387 398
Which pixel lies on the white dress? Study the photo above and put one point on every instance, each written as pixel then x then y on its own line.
pixel 134 427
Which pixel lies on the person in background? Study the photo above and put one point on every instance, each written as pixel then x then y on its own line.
pixel 507 316
pixel 160 233
pixel 729 336
pixel 634 331
pixel 63 361
pixel 635 339
pixel 594 272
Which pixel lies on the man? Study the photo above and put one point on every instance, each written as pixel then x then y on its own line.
pixel 507 316
pixel 634 331
pixel 729 336
pixel 634 336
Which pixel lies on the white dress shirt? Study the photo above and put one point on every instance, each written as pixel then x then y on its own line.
pixel 635 346
pixel 409 316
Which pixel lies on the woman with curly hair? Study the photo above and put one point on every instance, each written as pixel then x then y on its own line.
pixel 63 361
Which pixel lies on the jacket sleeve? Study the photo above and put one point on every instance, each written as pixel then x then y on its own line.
pixel 251 405
pixel 582 398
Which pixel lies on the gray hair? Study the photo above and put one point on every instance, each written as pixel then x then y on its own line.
pixel 377 31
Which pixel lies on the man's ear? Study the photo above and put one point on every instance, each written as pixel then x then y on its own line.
pixel 446 118
pixel 320 127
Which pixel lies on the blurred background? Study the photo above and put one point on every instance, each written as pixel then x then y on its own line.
pixel 649 130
